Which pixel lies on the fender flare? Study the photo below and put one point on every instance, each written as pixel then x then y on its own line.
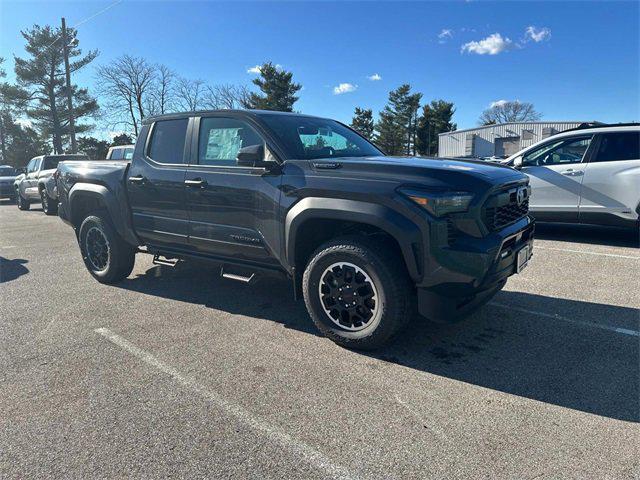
pixel 400 228
pixel 110 201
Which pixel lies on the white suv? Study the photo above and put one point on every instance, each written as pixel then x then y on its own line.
pixel 586 175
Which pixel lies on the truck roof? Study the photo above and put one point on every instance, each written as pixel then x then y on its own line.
pixel 248 113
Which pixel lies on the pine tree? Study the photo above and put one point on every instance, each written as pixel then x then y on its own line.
pixel 435 119
pixel 277 87
pixel 396 129
pixel 94 148
pixel 363 122
pixel 42 76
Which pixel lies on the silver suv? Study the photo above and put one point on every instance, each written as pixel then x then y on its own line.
pixel 585 175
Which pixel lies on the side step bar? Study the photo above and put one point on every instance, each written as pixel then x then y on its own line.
pixel 236 277
pixel 168 262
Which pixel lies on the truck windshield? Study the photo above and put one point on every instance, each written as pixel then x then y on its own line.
pixel 310 138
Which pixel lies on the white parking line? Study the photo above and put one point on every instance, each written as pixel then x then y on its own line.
pixel 624 331
pixel 311 455
pixel 632 257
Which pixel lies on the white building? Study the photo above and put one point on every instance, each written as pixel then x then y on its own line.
pixel 499 140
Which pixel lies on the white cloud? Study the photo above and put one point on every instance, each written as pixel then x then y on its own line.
pixel 537 34
pixel 498 103
pixel 492 45
pixel 375 77
pixel 344 88
pixel 255 70
pixel 444 35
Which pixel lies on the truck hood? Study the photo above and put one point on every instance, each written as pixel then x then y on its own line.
pixel 437 172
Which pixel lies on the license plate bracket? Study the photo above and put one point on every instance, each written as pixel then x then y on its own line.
pixel 522 258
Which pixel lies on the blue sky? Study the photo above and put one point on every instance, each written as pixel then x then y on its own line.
pixel 580 61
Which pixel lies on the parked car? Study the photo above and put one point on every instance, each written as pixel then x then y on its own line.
pixel 364 236
pixel 8 175
pixel 120 152
pixel 585 175
pixel 30 187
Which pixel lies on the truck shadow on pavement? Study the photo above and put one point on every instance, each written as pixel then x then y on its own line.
pixel 571 365
pixel 12 269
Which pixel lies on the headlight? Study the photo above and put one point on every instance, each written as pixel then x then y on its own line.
pixel 439 204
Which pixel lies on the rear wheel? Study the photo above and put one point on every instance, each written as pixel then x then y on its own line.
pixel 49 205
pixel 357 293
pixel 106 255
pixel 23 203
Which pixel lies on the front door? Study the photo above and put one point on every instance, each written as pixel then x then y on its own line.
pixel 233 210
pixel 30 189
pixel 556 170
pixel 155 184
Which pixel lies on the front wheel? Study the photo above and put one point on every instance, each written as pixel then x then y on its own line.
pixel 49 205
pixel 106 255
pixel 23 203
pixel 357 292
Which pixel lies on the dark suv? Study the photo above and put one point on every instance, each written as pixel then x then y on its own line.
pixel 367 238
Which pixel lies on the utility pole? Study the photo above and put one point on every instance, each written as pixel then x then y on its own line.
pixel 72 128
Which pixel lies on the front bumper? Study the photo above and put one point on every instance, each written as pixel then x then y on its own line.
pixel 465 275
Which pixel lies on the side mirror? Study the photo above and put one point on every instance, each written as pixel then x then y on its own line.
pixel 517 162
pixel 252 156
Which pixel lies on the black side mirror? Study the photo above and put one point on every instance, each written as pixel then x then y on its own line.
pixel 252 156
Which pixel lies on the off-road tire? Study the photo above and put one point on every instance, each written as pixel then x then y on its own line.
pixel 23 203
pixel 49 205
pixel 395 291
pixel 121 256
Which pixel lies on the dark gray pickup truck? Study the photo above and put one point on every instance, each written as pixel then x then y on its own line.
pixel 367 238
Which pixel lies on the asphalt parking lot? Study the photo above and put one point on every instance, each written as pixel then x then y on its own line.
pixel 175 372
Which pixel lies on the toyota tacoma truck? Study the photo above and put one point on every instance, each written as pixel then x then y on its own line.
pixel 367 239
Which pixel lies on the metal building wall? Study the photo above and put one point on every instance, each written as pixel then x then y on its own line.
pixel 480 142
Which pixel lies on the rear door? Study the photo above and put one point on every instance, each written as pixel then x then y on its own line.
pixel 155 184
pixel 556 170
pixel 233 209
pixel 611 185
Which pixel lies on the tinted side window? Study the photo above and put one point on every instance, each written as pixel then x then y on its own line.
pixel 50 163
pixel 221 138
pixel 618 146
pixel 167 141
pixel 116 154
pixel 569 150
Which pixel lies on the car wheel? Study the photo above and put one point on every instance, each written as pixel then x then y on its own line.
pixel 49 205
pixel 106 255
pixel 357 292
pixel 23 204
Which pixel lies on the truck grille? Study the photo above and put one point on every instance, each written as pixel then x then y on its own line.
pixel 506 207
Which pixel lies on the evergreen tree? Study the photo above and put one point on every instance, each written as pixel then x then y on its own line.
pixel 435 119
pixel 363 122
pixel 396 129
pixel 22 142
pixel 122 139
pixel 277 87
pixel 41 74
pixel 94 148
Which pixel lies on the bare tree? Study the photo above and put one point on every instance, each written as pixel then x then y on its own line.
pixel 515 111
pixel 189 94
pixel 226 96
pixel 162 96
pixel 125 84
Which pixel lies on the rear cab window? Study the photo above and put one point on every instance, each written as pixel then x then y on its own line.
pixel 116 154
pixel 167 141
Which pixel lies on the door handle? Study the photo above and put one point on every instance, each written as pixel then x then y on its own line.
pixel 196 183
pixel 572 173
pixel 139 180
